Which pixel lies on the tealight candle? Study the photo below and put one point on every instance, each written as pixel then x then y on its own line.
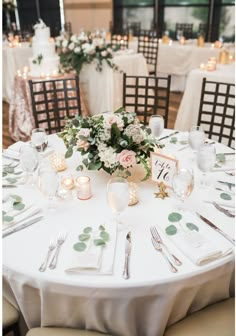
pixel 42 75
pixel 18 73
pixel 182 40
pixel 212 45
pixel 58 161
pixel 170 42
pixel 48 76
pixel 54 73
pixel 231 57
pixel 83 187
pixel 202 66
pixel 25 69
pixel 67 183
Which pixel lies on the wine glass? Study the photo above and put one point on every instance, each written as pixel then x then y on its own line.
pixel 49 185
pixel 29 160
pixel 156 124
pixel 206 158
pixel 39 139
pixel 118 197
pixel 179 34
pixel 182 184
pixel 196 138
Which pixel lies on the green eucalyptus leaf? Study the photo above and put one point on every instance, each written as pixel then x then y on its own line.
pixel 220 157
pixel 9 170
pixel 8 218
pixel 183 142
pixel 79 247
pixel 104 235
pixel 173 140
pixel 80 168
pixel 174 217
pixel 99 242
pixel 18 206
pixel 4 174
pixel 69 152
pixel 3 212
pixel 171 230
pixel 192 226
pixel 225 196
pixel 84 237
pixel 18 173
pixel 88 229
pixel 11 180
pixel 101 227
pixel 16 198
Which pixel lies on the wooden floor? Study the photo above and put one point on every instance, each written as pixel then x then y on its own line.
pixel 175 99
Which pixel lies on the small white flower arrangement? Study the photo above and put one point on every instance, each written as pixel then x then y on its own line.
pixel 111 141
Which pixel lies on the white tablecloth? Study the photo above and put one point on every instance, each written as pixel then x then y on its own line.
pixel 178 60
pixel 13 59
pixel 145 304
pixel 104 90
pixel 189 108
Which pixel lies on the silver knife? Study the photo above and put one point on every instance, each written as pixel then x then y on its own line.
pixel 35 212
pixel 21 227
pixel 224 211
pixel 168 136
pixel 10 157
pixel 127 255
pixel 204 219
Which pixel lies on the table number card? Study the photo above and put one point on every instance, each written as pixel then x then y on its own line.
pixel 163 168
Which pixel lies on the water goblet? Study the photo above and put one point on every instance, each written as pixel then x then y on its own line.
pixel 118 197
pixel 196 138
pixel 182 184
pixel 206 158
pixel 29 161
pixel 156 124
pixel 49 185
pixel 39 139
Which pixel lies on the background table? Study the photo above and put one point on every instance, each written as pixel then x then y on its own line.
pixel 152 298
pixel 99 91
pixel 13 59
pixel 178 60
pixel 189 107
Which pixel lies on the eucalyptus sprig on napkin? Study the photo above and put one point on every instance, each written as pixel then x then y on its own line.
pixel 11 174
pixel 16 205
pixel 175 217
pixel 85 238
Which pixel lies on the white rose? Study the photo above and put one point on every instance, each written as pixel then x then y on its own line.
pixel 113 119
pixel 77 50
pixel 65 43
pixel 88 48
pixel 73 38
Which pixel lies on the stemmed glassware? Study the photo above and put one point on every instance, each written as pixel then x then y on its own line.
pixel 196 138
pixel 29 160
pixel 49 185
pixel 182 184
pixel 39 139
pixel 118 197
pixel 206 158
pixel 156 124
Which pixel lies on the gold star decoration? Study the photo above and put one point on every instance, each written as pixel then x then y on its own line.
pixel 162 191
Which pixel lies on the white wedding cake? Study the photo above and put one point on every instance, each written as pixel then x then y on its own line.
pixel 44 61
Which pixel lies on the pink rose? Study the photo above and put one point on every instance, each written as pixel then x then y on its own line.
pixel 104 53
pixel 126 158
pixel 113 119
pixel 84 131
pixel 82 144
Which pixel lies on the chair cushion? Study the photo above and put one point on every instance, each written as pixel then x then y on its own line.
pixel 215 320
pixel 10 314
pixel 62 332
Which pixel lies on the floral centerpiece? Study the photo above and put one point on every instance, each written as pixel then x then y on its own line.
pixel 113 142
pixel 75 50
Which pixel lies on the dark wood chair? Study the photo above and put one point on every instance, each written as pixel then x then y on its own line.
pixel 217 111
pixel 121 40
pixel 146 96
pixel 53 101
pixel 148 46
pixel 134 27
pixel 186 28
pixel 10 318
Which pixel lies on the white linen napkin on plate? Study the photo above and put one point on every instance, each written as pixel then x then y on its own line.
pixel 227 165
pixel 96 260
pixel 202 246
pixel 13 151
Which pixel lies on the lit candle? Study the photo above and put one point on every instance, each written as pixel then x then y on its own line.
pixel 160 40
pixel 58 161
pixel 118 38
pixel 25 69
pixel 18 73
pixel 48 76
pixel 42 75
pixel 67 183
pixel 10 45
pixel 182 40
pixel 202 66
pixel 170 42
pixel 54 73
pixel 83 187
pixel 231 57
pixel 212 45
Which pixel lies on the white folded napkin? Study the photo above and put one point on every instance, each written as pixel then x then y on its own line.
pixel 19 216
pixel 202 246
pixel 228 165
pixel 96 260
pixel 225 196
pixel 13 151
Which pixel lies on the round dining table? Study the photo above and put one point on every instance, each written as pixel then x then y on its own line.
pixel 153 297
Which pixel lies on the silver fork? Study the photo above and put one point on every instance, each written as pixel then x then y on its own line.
pixel 60 240
pixel 158 247
pixel 156 236
pixel 51 247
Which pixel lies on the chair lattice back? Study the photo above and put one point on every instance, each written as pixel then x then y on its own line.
pixel 121 40
pixel 148 46
pixel 146 96
pixel 135 27
pixel 186 28
pixel 217 111
pixel 148 32
pixel 53 100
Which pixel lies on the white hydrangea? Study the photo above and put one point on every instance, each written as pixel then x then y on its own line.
pixel 135 132
pixel 73 38
pixel 77 50
pixel 88 48
pixel 108 157
pixel 64 43
pixel 71 46
pixel 104 135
